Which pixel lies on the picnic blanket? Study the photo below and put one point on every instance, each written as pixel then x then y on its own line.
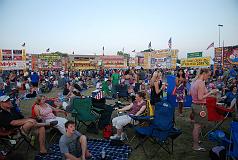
pixel 95 146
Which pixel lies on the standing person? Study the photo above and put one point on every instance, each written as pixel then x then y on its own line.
pixel 35 80
pixel 115 82
pixel 199 94
pixel 73 145
pixel 180 90
pixel 157 87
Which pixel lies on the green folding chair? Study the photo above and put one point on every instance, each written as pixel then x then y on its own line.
pixel 84 112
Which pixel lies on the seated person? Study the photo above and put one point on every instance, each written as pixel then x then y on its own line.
pixel 44 112
pixel 106 88
pixel 136 108
pixel 32 93
pixel 232 94
pixel 66 89
pixel 73 145
pixel 9 119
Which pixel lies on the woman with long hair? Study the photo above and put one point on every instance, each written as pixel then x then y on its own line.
pixel 199 94
pixel 157 87
pixel 180 90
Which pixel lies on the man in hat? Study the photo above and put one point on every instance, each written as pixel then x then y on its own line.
pixel 9 119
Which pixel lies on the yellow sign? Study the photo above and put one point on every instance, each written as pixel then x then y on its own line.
pixel 195 62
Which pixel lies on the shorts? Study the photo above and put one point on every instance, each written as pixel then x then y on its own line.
pixel 196 109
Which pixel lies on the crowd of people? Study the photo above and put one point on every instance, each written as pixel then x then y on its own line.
pixel 136 85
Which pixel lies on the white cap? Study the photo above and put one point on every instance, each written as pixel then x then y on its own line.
pixel 4 98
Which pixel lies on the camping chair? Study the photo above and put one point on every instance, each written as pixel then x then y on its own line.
pixel 216 113
pixel 83 112
pixel 11 140
pixel 161 130
pixel 229 142
pixel 144 119
pixel 122 91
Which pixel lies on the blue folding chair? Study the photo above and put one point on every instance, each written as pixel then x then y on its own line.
pixel 231 144
pixel 233 147
pixel 161 130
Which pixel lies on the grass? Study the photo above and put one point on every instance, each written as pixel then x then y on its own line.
pixel 182 145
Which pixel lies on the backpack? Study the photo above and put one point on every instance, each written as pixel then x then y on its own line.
pixel 107 131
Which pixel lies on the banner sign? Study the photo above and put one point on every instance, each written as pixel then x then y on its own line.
pixel 47 61
pixel 160 59
pixel 12 65
pixel 230 56
pixel 195 62
pixel 194 54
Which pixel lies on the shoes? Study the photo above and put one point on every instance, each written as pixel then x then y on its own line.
pixel 115 137
pixel 123 137
pixel 52 123
pixel 181 115
pixel 201 149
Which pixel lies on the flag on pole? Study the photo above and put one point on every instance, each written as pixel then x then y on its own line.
pixel 24 44
pixel 149 46
pixel 48 49
pixel 211 45
pixel 170 43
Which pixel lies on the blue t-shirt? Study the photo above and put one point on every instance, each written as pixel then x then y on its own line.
pixel 230 96
pixel 35 78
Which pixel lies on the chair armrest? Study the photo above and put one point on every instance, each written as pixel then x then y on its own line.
pixel 73 113
pixel 97 109
pixel 141 118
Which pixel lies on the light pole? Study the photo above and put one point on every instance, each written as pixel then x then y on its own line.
pixel 219 26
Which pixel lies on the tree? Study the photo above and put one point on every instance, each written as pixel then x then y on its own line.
pixel 120 53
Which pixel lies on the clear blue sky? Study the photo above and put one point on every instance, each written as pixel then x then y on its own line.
pixel 85 26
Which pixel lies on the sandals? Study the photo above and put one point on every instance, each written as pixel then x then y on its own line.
pixel 201 149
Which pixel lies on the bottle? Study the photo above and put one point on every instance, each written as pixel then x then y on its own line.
pixel 103 153
pixel 33 140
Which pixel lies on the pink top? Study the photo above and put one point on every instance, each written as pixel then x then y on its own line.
pixel 197 91
pixel 46 113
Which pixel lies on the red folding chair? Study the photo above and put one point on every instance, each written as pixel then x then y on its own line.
pixel 216 113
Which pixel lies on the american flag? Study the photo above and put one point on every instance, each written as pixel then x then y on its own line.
pixel 99 95
pixel 170 43
pixel 211 45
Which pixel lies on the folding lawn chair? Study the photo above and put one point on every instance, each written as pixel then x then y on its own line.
pixel 161 130
pixel 84 112
pixel 11 140
pixel 216 113
pixel 229 142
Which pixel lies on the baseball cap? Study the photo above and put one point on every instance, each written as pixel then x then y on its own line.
pixel 4 98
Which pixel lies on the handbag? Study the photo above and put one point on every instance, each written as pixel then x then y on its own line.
pixel 174 91
pixel 203 112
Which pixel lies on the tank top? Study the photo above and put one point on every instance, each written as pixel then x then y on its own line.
pixel 154 97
